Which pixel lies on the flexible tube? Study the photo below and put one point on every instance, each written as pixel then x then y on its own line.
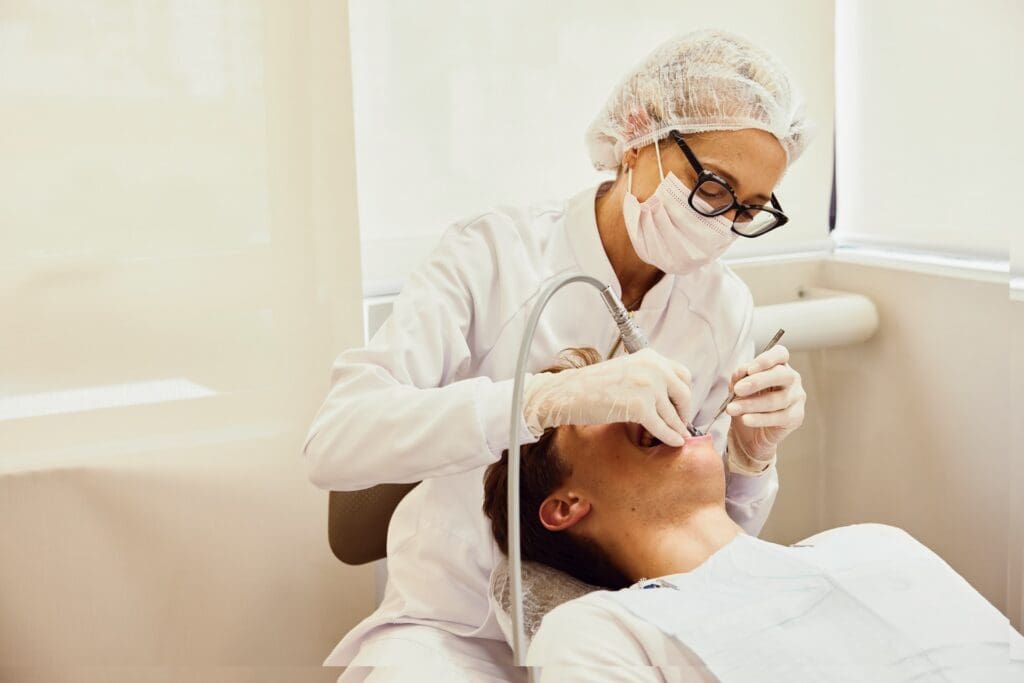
pixel 515 561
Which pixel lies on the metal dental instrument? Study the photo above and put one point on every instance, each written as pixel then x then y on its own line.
pixel 632 338
pixel 732 394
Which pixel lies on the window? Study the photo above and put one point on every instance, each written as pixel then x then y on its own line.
pixel 927 152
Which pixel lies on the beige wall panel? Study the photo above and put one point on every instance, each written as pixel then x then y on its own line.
pixel 919 418
pixel 204 558
pixel 181 212
pixel 1015 572
pixel 798 511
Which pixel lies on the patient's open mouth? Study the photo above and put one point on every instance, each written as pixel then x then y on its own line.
pixel 648 440
pixel 642 438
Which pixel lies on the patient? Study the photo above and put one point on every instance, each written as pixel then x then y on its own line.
pixel 692 598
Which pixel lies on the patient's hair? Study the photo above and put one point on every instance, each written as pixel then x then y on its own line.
pixel 541 471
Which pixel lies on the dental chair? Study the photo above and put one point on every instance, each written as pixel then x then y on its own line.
pixel 357 521
pixel 357 528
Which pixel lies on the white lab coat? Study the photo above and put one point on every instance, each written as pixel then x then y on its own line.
pixel 429 398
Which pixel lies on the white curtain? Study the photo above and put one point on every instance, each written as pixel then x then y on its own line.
pixel 929 149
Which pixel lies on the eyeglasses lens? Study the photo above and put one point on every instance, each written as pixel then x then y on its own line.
pixel 712 198
pixel 751 222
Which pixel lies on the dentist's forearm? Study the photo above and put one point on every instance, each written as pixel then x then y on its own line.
pixel 373 429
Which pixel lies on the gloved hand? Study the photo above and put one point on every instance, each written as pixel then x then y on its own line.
pixel 769 405
pixel 644 387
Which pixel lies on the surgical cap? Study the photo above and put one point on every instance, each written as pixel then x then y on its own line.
pixel 701 81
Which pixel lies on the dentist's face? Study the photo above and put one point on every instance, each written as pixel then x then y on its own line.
pixel 753 161
pixel 622 477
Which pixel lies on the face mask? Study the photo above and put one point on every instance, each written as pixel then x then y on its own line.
pixel 668 233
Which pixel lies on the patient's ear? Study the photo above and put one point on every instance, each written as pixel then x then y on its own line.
pixel 560 511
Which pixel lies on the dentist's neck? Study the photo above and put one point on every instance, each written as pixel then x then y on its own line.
pixel 635 277
pixel 680 547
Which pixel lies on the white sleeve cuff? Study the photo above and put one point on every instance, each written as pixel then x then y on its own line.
pixel 494 407
pixel 747 466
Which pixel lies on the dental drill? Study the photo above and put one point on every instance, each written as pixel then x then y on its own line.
pixel 633 340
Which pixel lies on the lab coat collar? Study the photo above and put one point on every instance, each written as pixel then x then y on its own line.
pixel 581 227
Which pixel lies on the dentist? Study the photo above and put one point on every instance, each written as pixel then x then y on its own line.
pixel 699 135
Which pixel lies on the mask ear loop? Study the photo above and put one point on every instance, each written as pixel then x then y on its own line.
pixel 657 151
pixel 629 169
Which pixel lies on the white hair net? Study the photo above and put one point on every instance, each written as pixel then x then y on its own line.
pixel 700 81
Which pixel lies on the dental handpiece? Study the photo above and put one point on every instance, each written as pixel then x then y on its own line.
pixel 633 338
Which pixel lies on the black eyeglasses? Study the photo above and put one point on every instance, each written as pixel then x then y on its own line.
pixel 712 196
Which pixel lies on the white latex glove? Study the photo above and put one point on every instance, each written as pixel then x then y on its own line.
pixel 769 405
pixel 644 387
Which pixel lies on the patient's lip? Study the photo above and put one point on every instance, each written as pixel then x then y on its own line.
pixel 695 441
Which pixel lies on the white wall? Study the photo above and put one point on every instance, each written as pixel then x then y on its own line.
pixel 461 106
pixel 179 268
pixel 180 205
pixel 915 427
pixel 799 510
pixel 919 418
pixel 928 158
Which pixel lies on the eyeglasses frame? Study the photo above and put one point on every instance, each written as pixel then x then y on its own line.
pixel 704 175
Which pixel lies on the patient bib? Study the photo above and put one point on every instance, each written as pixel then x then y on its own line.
pixel 862 603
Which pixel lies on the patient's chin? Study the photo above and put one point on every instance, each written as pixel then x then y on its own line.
pixel 696 459
pixel 702 466
pixel 701 451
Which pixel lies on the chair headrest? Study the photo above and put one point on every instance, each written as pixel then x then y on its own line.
pixel 544 589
